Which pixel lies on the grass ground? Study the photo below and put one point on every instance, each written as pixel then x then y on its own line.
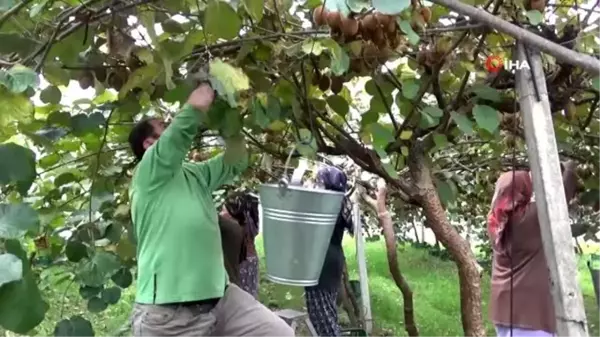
pixel 433 281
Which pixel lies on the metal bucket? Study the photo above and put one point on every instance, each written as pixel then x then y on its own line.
pixel 297 226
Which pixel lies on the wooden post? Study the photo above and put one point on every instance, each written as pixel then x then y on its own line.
pixel 362 265
pixel 549 196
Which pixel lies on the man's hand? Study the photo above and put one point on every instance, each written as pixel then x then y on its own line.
pixel 202 97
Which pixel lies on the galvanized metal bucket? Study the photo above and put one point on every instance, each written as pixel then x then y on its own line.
pixel 297 226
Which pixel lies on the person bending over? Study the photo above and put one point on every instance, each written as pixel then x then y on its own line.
pixel 520 297
pixel 321 300
pixel 182 286
pixel 242 208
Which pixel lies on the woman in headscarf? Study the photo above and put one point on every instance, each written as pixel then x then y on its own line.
pixel 521 302
pixel 242 208
pixel 321 300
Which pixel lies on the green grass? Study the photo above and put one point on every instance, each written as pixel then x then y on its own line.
pixel 434 283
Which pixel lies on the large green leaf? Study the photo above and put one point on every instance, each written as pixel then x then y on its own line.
pixel 447 191
pixel 142 78
pixel 20 169
pixel 340 61
pixel 391 7
pixel 255 9
pixel 122 278
pixel 74 326
pixel 306 144
pixel 486 92
pixel 16 43
pixel 410 88
pixel 111 295
pixel 20 78
pixel 95 272
pixel 21 305
pixel 11 268
pixel 381 135
pixel 16 220
pixel 51 95
pixel 338 104
pixel 228 81
pixel 14 108
pixel 221 21
pixel 463 122
pixel 406 27
pixel 486 117
pixel 535 17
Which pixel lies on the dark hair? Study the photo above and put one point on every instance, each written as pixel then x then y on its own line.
pixel 142 130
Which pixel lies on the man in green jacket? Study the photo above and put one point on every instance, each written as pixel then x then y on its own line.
pixel 182 286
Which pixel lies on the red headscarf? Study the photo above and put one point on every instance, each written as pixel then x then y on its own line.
pixel 510 198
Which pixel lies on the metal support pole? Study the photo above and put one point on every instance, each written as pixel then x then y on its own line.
pixel 362 265
pixel 549 196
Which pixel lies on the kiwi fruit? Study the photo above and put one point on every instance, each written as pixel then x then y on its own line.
pixel 100 74
pixel 539 5
pixel 349 27
pixel 319 15
pixel 324 83
pixel 391 28
pixel 369 23
pixel 379 38
pixel 86 80
pixel 382 19
pixel 334 20
pixel 384 55
pixel 337 83
pixel 426 14
pixel 370 53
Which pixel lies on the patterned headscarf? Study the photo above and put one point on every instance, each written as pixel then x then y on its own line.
pixel 510 199
pixel 243 207
pixel 334 179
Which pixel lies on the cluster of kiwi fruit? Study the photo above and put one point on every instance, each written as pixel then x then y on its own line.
pixel 539 5
pixel 324 82
pixel 113 77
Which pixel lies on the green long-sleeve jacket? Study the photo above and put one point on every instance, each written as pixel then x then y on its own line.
pixel 178 239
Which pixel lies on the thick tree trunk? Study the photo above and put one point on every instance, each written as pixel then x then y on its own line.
pixel 459 249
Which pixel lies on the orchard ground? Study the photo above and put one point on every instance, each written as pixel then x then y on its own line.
pixel 433 281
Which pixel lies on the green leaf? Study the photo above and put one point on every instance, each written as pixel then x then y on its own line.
pixel 390 7
pixel 21 305
pixel 338 104
pixel 312 46
pixel 535 17
pixel 447 191
pixel 75 251
pixel 337 6
pixel 427 121
pixel 434 111
pixel 96 305
pixel 16 220
pixel 231 123
pixel 87 292
pixel 20 169
pixel 440 140
pixel 11 268
pixel 141 78
pixel 406 134
pixel 463 122
pixel 255 9
pixel 486 117
pixel 51 95
pixel 221 21
pixel 406 27
pixel 74 326
pixel 486 92
pixel 82 124
pixel 6 5
pixel 16 43
pixel 228 81
pixel 21 79
pixel 111 295
pixel 382 136
pixel 357 6
pixel 596 83
pixel 340 61
pixel 94 273
pixel 306 143
pixel 410 88
pixel 14 108
pixel 122 278
pixel 259 114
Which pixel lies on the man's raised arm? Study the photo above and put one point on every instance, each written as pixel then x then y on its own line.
pixel 163 158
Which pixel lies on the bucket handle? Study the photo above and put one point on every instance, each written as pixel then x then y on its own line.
pixel 296 179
